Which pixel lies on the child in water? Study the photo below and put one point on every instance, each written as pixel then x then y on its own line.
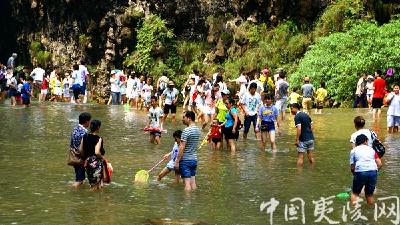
pixel 173 155
pixel 294 97
pixel 155 114
pixel 320 94
pixel 267 122
pixel 215 135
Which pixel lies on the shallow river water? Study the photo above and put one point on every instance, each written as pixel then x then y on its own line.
pixel 35 180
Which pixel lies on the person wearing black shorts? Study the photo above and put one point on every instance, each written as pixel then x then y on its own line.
pixel 170 98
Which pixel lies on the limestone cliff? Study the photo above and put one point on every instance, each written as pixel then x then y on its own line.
pixel 103 32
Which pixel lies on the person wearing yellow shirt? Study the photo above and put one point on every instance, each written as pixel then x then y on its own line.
pixel 320 94
pixel 294 97
pixel 268 83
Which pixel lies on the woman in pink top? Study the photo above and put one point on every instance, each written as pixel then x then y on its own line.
pixel 211 98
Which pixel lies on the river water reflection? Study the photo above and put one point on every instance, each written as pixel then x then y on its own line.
pixel 35 178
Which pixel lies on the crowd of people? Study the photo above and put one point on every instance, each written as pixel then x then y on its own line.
pixel 261 101
pixel 52 85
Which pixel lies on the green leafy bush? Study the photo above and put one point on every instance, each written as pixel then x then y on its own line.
pixel 38 54
pixel 339 16
pixel 340 58
pixel 154 42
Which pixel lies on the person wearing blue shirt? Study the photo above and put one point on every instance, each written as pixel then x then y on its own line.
pixel 267 122
pixel 26 92
pixel 231 128
pixel 172 155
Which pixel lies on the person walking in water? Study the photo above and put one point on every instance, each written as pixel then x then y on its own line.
pixel 364 165
pixel 308 91
pixel 304 135
pixel 76 137
pixel 186 161
pixel 92 151
pixel 379 93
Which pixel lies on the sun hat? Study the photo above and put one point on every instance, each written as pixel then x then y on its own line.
pixel 225 92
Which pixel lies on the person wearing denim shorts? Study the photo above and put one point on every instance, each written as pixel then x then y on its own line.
pixel 304 135
pixel 364 164
pixel 186 161
pixel 76 136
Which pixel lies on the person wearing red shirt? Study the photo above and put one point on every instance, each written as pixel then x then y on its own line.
pixel 379 93
pixel 215 135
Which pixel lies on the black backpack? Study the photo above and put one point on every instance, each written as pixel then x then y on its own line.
pixel 377 145
pixel 364 87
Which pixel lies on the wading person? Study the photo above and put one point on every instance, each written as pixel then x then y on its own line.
pixel 268 122
pixel 76 138
pixel 155 121
pixel 172 155
pixel 304 135
pixel 393 113
pixel 77 83
pixel 250 104
pixel 26 92
pixel 93 152
pixel 379 93
pixel 321 95
pixel 231 126
pixel 38 75
pixel 364 164
pixel 281 94
pixel 115 89
pixel 186 161
pixel 359 123
pixel 12 86
pixel 308 92
pixel 170 98
pixel 360 95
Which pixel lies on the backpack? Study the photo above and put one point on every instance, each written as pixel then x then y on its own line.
pixel 363 87
pixel 268 88
pixel 377 145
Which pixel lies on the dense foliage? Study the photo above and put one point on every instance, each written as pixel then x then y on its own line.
pixel 340 58
pixel 38 54
pixel 155 49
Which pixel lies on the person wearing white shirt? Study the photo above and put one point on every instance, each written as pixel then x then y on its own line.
pixel 83 71
pixel 38 75
pixel 242 81
pixel 77 83
pixel 250 103
pixel 170 98
pixel 129 89
pixel 359 123
pixel 115 89
pixel 364 164
pixel 393 112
